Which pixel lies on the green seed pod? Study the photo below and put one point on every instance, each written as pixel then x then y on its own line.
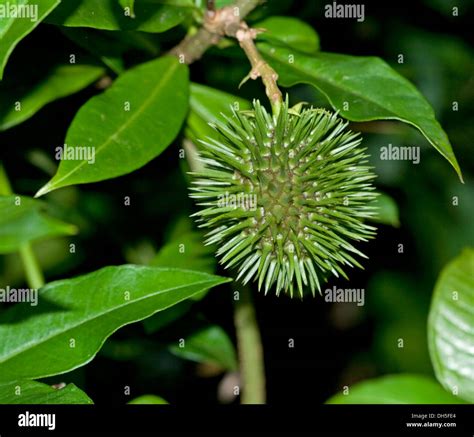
pixel 285 196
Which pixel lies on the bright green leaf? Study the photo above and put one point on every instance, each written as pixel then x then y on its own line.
pixel 22 221
pixel 451 326
pixel 128 125
pixel 150 15
pixel 387 212
pixel 362 89
pixel 396 389
pixel 32 392
pixel 290 31
pixel 13 30
pixel 208 345
pixel 59 81
pixel 75 316
pixel 148 400
pixel 206 105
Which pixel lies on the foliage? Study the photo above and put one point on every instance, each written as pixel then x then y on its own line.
pixel 102 118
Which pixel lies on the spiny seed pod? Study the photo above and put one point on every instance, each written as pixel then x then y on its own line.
pixel 285 195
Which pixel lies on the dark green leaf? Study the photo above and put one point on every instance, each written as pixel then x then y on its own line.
pixel 130 349
pixel 185 249
pixel 362 89
pixel 208 345
pixel 32 392
pixel 186 252
pixel 111 46
pixel 290 31
pixel 400 318
pixel 129 7
pixel 75 316
pixel 150 15
pixel 451 327
pixel 128 125
pixel 387 213
pixel 101 47
pixel 13 30
pixel 164 318
pixel 18 103
pixel 22 221
pixel 396 389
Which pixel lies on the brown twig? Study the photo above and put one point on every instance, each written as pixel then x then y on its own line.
pixel 228 21
pixel 260 68
pixel 215 27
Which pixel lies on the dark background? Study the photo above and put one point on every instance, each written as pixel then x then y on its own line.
pixel 335 345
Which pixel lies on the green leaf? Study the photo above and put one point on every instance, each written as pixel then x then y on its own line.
pixel 290 31
pixel 362 89
pixel 187 252
pixel 451 326
pixel 32 392
pixel 111 46
pixel 59 81
pixel 75 316
pixel 99 45
pixel 387 213
pixel 22 221
pixel 403 317
pixel 13 30
pixel 206 105
pixel 156 94
pixel 396 389
pixel 129 7
pixel 150 15
pixel 208 345
pixel 148 400
pixel 185 249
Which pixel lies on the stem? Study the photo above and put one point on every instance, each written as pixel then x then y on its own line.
pixel 33 273
pixel 225 21
pixel 250 349
pixel 260 68
pixel 215 27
